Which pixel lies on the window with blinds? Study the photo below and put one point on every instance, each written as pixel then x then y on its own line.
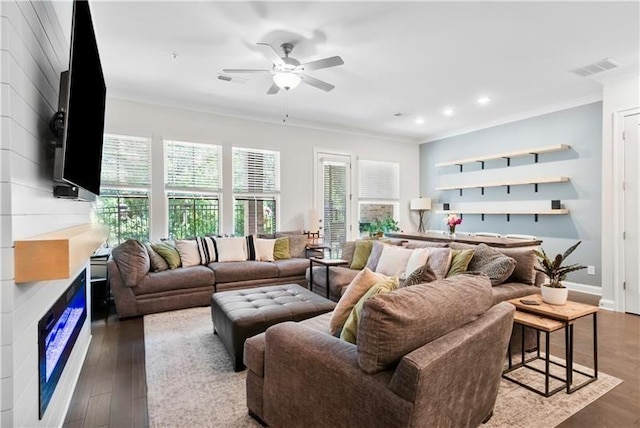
pixel 193 167
pixel 123 204
pixel 379 184
pixel 334 187
pixel 126 162
pixel 193 179
pixel 256 171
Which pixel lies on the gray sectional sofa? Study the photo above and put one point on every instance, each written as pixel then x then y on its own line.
pixel 138 291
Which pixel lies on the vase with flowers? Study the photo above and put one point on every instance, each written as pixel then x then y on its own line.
pixel 452 221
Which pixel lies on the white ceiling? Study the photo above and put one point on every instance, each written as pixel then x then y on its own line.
pixel 415 58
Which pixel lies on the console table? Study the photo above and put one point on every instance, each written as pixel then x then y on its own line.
pixel 466 239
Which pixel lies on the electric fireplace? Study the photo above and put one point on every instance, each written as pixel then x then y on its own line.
pixel 58 331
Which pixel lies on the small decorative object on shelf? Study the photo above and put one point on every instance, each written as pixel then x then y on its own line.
pixel 555 293
pixel 452 221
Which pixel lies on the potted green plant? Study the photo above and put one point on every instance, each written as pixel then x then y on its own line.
pixel 554 292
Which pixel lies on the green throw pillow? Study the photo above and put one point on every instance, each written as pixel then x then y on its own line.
pixel 281 249
pixel 361 254
pixel 350 329
pixel 169 253
pixel 459 261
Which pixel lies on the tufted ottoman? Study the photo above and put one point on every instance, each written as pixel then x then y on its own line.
pixel 238 315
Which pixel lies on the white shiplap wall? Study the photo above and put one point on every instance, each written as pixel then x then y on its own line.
pixel 33 52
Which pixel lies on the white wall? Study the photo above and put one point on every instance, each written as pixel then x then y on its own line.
pixel 295 144
pixel 618 96
pixel 32 55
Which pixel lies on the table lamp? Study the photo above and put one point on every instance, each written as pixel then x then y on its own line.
pixel 421 205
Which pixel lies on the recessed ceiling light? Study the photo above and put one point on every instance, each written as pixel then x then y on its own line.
pixel 419 121
pixel 448 112
pixel 484 100
pixel 174 55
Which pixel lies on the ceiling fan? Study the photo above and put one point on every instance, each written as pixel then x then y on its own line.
pixel 288 72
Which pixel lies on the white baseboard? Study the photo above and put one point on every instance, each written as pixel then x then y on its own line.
pixel 607 304
pixel 583 288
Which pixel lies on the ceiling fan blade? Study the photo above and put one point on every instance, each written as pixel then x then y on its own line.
pixel 271 53
pixel 273 89
pixel 243 70
pixel 323 63
pixel 316 83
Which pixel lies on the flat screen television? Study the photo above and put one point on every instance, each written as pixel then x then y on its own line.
pixel 78 157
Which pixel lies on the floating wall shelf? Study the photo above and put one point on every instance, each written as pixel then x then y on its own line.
pixel 507 183
pixel 508 213
pixel 56 255
pixel 507 155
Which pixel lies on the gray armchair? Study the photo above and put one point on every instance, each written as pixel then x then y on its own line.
pixel 428 355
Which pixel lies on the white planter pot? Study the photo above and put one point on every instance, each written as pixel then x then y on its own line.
pixel 554 296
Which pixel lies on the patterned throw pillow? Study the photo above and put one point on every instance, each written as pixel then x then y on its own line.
pixel 421 275
pixel 207 250
pixel 158 264
pixel 492 263
pixel 350 329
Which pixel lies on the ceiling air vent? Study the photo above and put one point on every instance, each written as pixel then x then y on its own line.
pixel 597 67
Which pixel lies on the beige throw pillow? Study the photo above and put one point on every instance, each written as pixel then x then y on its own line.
pixel 417 260
pixel 393 261
pixel 189 253
pixel 264 249
pixel 363 281
pixel 231 249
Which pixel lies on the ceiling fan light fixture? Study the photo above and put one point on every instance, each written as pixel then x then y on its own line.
pixel 286 80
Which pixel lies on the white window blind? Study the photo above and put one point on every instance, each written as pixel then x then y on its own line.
pixel 193 166
pixel 256 171
pixel 379 180
pixel 335 176
pixel 126 162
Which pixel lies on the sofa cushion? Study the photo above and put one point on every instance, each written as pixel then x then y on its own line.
pixel 348 249
pixel 439 261
pixel 460 260
pixel 363 281
pixel 243 271
pixel 176 279
pixel 133 261
pixel 291 267
pixel 526 260
pixel 168 252
pixel 281 249
pixel 493 263
pixel 298 246
pixel 376 252
pixel 189 254
pixel 158 264
pixel 231 249
pixel 361 254
pixel 425 244
pixel 393 261
pixel 512 290
pixel 394 324
pixel 350 330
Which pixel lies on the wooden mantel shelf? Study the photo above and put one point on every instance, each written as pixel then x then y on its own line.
pixel 56 255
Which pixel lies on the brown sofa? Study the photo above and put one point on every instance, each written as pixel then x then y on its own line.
pixel 138 291
pixel 426 356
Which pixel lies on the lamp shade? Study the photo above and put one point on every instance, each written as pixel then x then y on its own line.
pixel 420 204
pixel 286 80
pixel 311 221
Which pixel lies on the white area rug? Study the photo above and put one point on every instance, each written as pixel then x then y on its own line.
pixel 191 382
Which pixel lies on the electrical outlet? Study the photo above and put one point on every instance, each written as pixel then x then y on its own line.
pixel 591 270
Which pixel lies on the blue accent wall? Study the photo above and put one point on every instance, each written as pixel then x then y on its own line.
pixel 581 128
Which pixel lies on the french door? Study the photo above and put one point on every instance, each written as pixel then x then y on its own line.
pixel 631 210
pixel 333 193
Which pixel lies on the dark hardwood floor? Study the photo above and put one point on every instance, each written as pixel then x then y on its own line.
pixel 111 391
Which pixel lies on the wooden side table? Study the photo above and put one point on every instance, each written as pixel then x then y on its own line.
pixel 547 318
pixel 327 263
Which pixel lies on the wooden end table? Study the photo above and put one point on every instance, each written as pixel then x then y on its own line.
pixel 548 318
pixel 327 263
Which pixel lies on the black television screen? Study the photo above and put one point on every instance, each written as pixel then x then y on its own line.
pixel 84 118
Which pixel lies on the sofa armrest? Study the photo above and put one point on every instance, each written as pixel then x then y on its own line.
pixel 313 379
pixel 123 296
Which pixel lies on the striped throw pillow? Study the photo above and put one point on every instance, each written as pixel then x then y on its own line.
pixel 207 249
